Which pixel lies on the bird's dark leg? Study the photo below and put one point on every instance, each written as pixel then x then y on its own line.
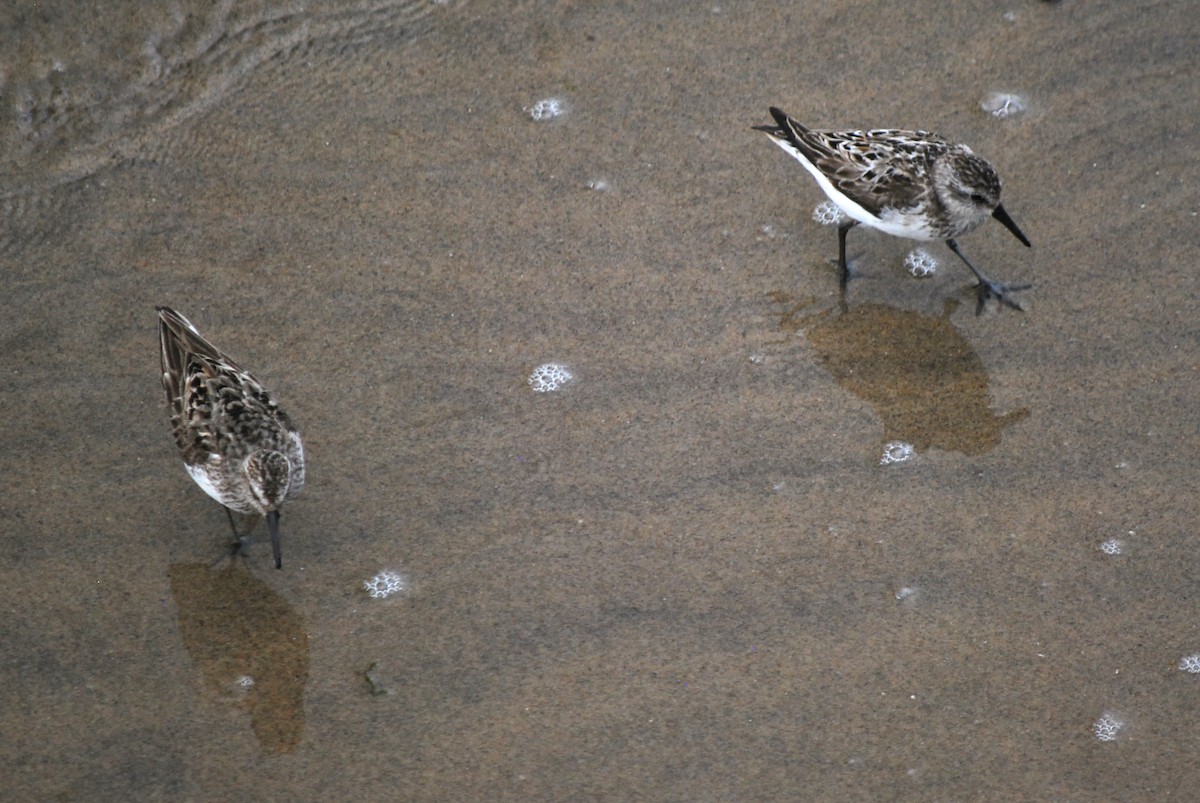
pixel 986 287
pixel 239 541
pixel 843 268
pixel 232 526
pixel 273 527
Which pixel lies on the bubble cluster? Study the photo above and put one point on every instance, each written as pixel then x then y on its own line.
pixel 906 592
pixel 896 452
pixel 547 109
pixel 385 584
pixel 1003 104
pixel 1113 546
pixel 549 377
pixel 920 263
pixel 1107 727
pixel 1190 663
pixel 827 213
pixel 240 687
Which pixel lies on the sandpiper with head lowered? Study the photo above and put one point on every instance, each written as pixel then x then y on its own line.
pixel 910 184
pixel 236 443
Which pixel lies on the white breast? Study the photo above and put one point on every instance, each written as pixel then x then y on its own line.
pixel 203 473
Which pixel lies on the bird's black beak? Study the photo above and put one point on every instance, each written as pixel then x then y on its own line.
pixel 273 528
pixel 1003 217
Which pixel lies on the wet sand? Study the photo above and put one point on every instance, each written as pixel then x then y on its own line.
pixel 686 575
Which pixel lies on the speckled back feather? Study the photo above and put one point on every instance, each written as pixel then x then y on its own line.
pixel 877 169
pixel 219 410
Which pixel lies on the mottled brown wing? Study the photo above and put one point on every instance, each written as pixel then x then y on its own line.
pixel 189 365
pixel 860 163
pixel 879 169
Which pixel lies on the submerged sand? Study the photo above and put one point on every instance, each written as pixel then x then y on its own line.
pixel 685 575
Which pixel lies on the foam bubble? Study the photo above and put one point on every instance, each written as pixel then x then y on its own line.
pixel 920 263
pixel 385 584
pixel 549 377
pixel 827 213
pixel 547 109
pixel 1190 663
pixel 240 687
pixel 1003 104
pixel 896 452
pixel 1108 727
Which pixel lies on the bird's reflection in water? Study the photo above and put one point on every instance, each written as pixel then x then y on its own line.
pixel 921 375
pixel 250 645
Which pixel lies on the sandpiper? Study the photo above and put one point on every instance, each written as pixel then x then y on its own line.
pixel 910 184
pixel 236 443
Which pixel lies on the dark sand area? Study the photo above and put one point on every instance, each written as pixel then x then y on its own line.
pixel 686 575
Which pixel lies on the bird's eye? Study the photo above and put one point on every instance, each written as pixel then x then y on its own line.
pixel 977 198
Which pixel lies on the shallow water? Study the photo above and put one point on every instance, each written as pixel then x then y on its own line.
pixel 685 575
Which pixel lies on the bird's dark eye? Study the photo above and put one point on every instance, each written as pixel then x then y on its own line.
pixel 977 198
